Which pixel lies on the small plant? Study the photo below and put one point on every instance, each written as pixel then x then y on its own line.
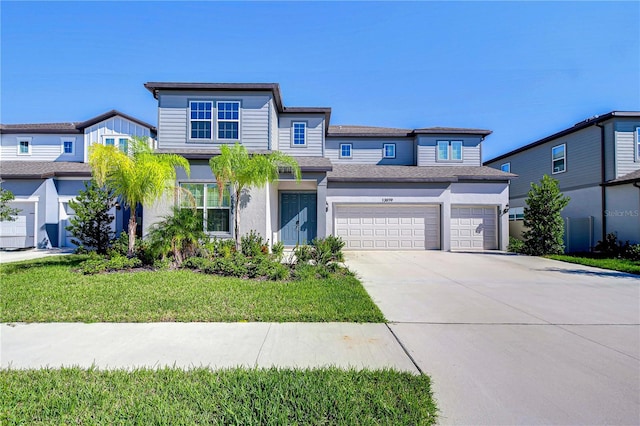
pixel 277 250
pixel 177 236
pixel 515 245
pixel 252 245
pixel 96 264
pixel 7 213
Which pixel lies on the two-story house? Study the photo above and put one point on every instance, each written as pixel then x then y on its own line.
pixel 45 165
pixel 597 164
pixel 376 188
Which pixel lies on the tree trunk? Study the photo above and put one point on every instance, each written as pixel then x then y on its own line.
pixel 236 220
pixel 132 233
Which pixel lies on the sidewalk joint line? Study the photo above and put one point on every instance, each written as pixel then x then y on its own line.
pixel 413 361
pixel 262 345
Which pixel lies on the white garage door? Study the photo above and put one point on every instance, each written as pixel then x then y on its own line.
pixel 474 228
pixel 388 227
pixel 19 233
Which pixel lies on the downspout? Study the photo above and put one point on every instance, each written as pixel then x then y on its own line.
pixel 603 189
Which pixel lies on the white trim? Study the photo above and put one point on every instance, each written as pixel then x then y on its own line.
pixel 189 120
pixel 65 139
pixel 384 150
pixel 293 133
pixel 230 120
pixel 204 207
pixel 449 144
pixel 508 164
pixel 29 145
pixel 564 158
pixel 636 145
pixel 350 150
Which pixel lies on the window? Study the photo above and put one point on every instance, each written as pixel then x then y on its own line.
pixel 216 212
pixel 68 145
pixel 389 150
pixel 110 141
pixel 449 150
pixel 637 143
pixel 558 159
pixel 228 119
pixel 123 144
pixel 506 167
pixel 345 150
pixel 200 114
pixel 24 146
pixel 516 213
pixel 299 137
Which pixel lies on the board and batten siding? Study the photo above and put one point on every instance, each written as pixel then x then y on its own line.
pixel 625 146
pixel 44 147
pixel 173 120
pixel 427 147
pixel 369 151
pixel 315 128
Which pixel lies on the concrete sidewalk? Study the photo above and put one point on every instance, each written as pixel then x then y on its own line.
pixel 7 256
pixel 188 345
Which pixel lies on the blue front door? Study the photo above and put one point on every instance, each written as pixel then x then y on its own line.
pixel 298 217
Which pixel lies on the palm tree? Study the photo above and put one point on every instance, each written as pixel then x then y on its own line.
pixel 138 176
pixel 235 167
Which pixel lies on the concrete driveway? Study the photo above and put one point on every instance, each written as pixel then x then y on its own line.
pixel 511 339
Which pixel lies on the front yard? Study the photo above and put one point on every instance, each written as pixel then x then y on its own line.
pixel 201 396
pixel 621 265
pixel 47 290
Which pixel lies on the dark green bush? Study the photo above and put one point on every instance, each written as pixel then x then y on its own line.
pixel 97 264
pixel 516 245
pixel 277 250
pixel 177 236
pixel 253 245
pixel 611 247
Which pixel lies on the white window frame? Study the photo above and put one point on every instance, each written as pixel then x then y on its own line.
pixel 350 145
pixel 28 141
pixel 192 120
pixel 449 144
pixel 293 134
pixel 564 158
pixel 637 144
pixel 508 167
pixel 106 137
pixel 384 150
pixel 516 213
pixel 231 120
pixel 64 140
pixel 205 207
pixel 120 139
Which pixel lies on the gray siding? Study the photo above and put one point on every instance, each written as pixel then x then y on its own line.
pixel 610 151
pixel 173 120
pixel 112 127
pixel 426 147
pixel 369 151
pixel 582 162
pixel 44 147
pixel 626 161
pixel 315 129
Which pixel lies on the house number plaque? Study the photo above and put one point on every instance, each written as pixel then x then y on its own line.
pixel 387 200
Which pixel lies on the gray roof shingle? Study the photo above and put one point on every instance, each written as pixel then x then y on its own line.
pixel 71 127
pixel 628 178
pixel 42 169
pixel 373 131
pixel 376 173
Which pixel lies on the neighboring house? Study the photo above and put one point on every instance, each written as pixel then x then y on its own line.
pixel 45 165
pixel 597 164
pixel 376 188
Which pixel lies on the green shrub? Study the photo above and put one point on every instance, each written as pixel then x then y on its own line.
pixel 515 245
pixel 196 263
pixel 278 272
pixel 253 245
pixel 277 250
pixel 633 252
pixel 233 266
pixel 96 264
pixel 303 253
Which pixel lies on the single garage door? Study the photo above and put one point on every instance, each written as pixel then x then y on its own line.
pixel 474 228
pixel 388 227
pixel 19 233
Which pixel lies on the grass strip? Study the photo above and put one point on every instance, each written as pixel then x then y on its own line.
pixel 621 265
pixel 46 290
pixel 201 396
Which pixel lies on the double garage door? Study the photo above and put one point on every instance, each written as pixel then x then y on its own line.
pixel 388 227
pixel 414 227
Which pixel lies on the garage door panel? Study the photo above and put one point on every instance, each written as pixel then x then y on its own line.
pixel 389 226
pixel 473 228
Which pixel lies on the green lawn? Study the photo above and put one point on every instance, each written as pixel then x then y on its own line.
pixel 47 290
pixel 622 265
pixel 201 396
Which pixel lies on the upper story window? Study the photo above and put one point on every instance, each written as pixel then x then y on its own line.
pixel 637 143
pixel 345 150
pixel 110 141
pixel 506 167
pixel 389 150
pixel 449 151
pixel 214 211
pixel 558 159
pixel 228 119
pixel 123 144
pixel 68 146
pixel 200 118
pixel 299 137
pixel 24 146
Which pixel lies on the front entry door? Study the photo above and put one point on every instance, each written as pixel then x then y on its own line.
pixel 298 217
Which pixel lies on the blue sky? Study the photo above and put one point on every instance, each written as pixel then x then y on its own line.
pixel 524 70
